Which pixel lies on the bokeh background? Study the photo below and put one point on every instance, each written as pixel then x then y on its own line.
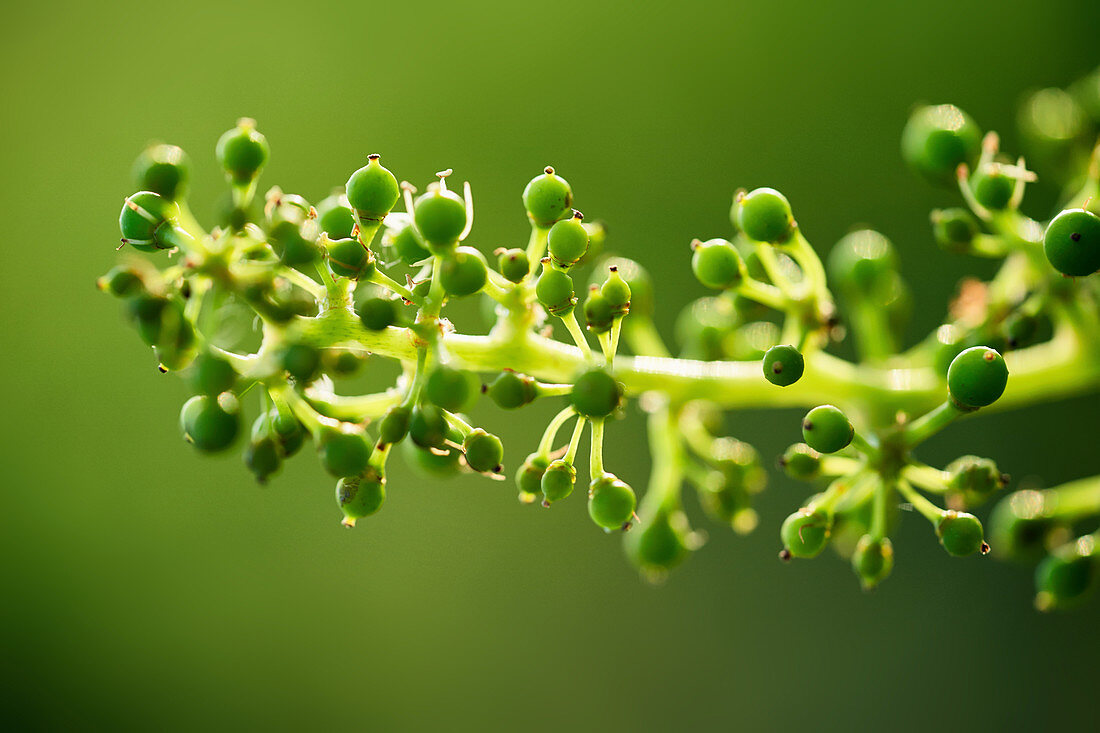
pixel 144 587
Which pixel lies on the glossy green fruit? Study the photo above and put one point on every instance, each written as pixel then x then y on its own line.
pixel 212 375
pixel 242 152
pixel 826 429
pixel 937 139
pixel 639 286
pixel 349 258
pixel 291 245
pixel 660 542
pixel 211 424
pixel 616 291
pixel 378 314
pixel 290 433
pixel 717 264
pixel 992 188
pixel 484 451
pixel 511 390
pixel 529 477
pixel 611 502
pixel 801 462
pixel 806 532
pixel 121 281
pixel 455 390
pixel 360 496
pixel 394 425
pixel 873 560
pixel 1065 578
pixel 547 198
pixel 974 478
pixel 464 272
pixel 264 457
pixel 513 264
pixel 977 377
pixel 598 313
pixel 783 365
pixel 158 320
pixel 440 216
pixel 372 190
pixel 554 290
pixel 567 241
pixel 764 215
pixel 147 222
pixel 406 244
pixel 301 361
pixel 558 481
pixel 863 264
pixel 1019 329
pixel 163 169
pixel 344 451
pixel 428 426
pixel 954 229
pixel 1072 242
pixel 961 533
pixel 334 217
pixel 596 394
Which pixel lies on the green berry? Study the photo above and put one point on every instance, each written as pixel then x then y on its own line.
pixel 360 496
pixel 558 481
pixel 554 290
pixel 616 291
pixel 598 312
pixel 242 152
pixel 637 286
pixel 806 532
pixel 567 241
pixel 440 216
pixel 349 258
pixel 464 272
pixel 992 187
pixel 335 217
pixel 974 478
pixel 513 264
pixel 873 560
pixel 212 375
pixel 428 426
pixel 511 390
pixel 783 365
pixel 147 222
pixel 1065 577
pixel 372 190
pixel 407 245
pixel 455 390
pixel 344 451
pixel 801 462
pixel 211 424
pixel 263 456
pixel 290 433
pixel 764 215
pixel 1019 329
pixel 717 264
pixel 121 281
pixel 660 543
pixel 342 361
pixel 529 477
pixel 863 264
pixel 163 169
pixel 158 320
pixel 826 429
pixel 961 533
pixel 1072 242
pixel 977 377
pixel 291 245
pixel 394 425
pixel 301 361
pixel 596 394
pixel 378 314
pixel 954 229
pixel 484 451
pixel 937 139
pixel 611 502
pixel 547 198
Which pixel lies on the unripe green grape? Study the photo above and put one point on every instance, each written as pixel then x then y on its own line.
pixel 616 291
pixel 974 478
pixel 455 390
pixel 554 290
pixel 291 245
pixel 212 375
pixel 977 377
pixel 263 456
pixel 407 246
pixel 1065 577
pixel 1019 329
pixel 826 429
pixel 611 502
pixel 301 361
pixel 801 462
pixel 290 433
pixel 147 220
pixel 598 313
pixel 440 216
pixel 513 264
pixel 211 424
pixel 344 451
pixel 511 390
pixel 428 426
pixel 437 463
pixel 394 425
pixel 557 481
pixel 378 314
pixel 484 451
pixel 547 198
pixel 121 281
pixel 1072 242
pixel 349 258
pixel 155 317
pixel 954 229
pixel 163 169
pixel 783 365
pixel 372 190
pixel 342 361
pixel 360 496
pixel 567 241
pixel 660 542
pixel 961 533
pixel 529 477
pixel 242 152
pixel 179 351
pixel 992 188
pixel 464 272
pixel 764 215
pixel 596 393
pixel 873 560
pixel 334 216
pixel 937 139
pixel 637 280
pixel 864 265
pixel 717 264
pixel 806 532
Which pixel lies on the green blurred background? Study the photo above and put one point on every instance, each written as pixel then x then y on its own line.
pixel 145 587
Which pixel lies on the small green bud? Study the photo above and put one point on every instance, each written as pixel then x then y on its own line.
pixel 440 215
pixel 558 481
pixel 242 152
pixel 407 245
pixel 554 290
pixel 937 139
pixel 335 217
pixel 598 312
pixel 372 190
pixel 455 390
pixel 611 502
pixel 148 222
pixel 511 390
pixel 806 532
pixel 378 314
pixel 1072 242
pixel 394 425
pixel 547 198
pixel 616 291
pixel 513 264
pixel 464 272
pixel 717 264
pixel 211 424
pixel 826 429
pixel 164 170
pixel 873 560
pixel 954 229
pixel 344 451
pixel 529 477
pixel 1067 576
pixel 567 241
pixel 764 215
pixel 977 377
pixel 660 542
pixel 360 496
pixel 212 375
pixel 349 258
pixel 428 426
pixel 961 533
pixel 484 451
pixel 596 393
pixel 301 361
pixel 121 281
pixel 783 365
pixel 801 462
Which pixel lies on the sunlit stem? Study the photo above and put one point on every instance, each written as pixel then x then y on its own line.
pixel 595 462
